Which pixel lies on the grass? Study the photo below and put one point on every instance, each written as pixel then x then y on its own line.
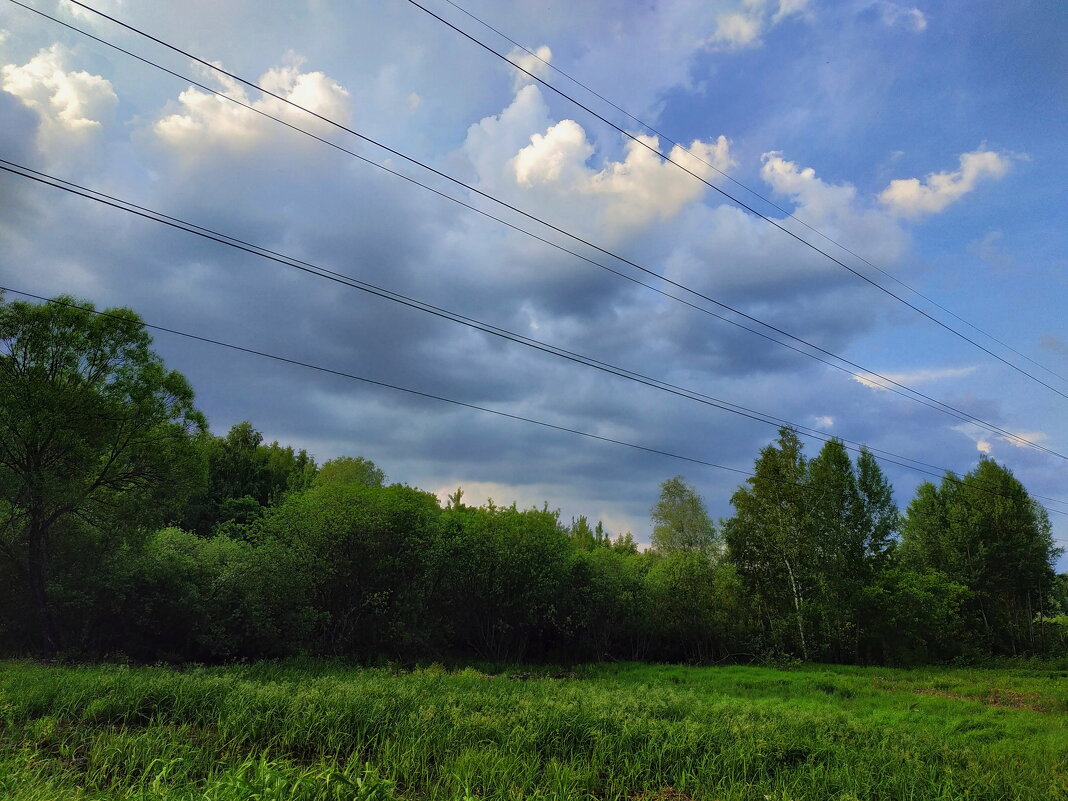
pixel 320 732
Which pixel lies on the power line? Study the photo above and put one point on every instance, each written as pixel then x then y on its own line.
pixel 748 189
pixel 740 203
pixel 346 280
pixel 866 376
pixel 453 401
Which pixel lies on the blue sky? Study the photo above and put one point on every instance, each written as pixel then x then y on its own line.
pixel 925 139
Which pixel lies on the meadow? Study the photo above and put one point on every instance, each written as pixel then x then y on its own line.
pixel 319 731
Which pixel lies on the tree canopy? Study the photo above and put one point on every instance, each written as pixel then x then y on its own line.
pixel 93 430
pixel 681 522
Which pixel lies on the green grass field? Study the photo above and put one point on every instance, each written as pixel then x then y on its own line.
pixel 317 731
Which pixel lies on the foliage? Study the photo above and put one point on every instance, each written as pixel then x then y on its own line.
pixel 272 556
pixel 984 531
pixel 681 522
pixel 364 551
pixel 768 541
pixel 811 538
pixel 93 428
pixel 244 478
pixel 500 573
pixel 350 470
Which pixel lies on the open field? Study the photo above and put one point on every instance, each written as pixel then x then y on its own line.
pixel 316 731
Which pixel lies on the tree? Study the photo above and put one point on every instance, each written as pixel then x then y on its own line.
pixel 768 542
pixel 881 519
pixel 93 427
pixel 986 532
pixel 367 552
pixel 681 522
pixel 244 477
pixel 837 538
pixel 852 520
pixel 351 470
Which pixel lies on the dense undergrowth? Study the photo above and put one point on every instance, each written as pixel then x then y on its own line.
pixel 316 731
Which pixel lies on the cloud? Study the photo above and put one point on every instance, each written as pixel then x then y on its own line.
pixel 1037 437
pixel 824 421
pixel 72 105
pixel 989 250
pixel 631 193
pixel 545 167
pixel 835 209
pixel 109 6
pixel 909 197
pixel 205 120
pixel 742 27
pixel 914 376
pixel 985 440
pixel 893 15
pixel 535 62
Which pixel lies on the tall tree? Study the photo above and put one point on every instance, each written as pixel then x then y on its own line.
pixel 837 540
pixel 681 522
pixel 93 427
pixel 881 519
pixel 852 518
pixel 986 532
pixel 768 540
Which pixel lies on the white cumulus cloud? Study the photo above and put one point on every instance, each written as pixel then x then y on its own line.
pixel 910 197
pixel 207 120
pixel 545 167
pixel 633 192
pixel 833 208
pixel 535 62
pixel 71 104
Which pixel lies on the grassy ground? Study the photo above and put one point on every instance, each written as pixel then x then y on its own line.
pixel 318 732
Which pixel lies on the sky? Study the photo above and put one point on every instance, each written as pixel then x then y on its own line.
pixel 919 145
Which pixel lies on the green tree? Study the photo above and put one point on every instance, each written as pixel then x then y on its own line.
pixel 986 532
pixel 501 578
pixel 837 539
pixel 287 470
pixel 914 616
pixel 852 519
pixel 244 478
pixel 351 470
pixel 880 519
pixel 368 551
pixel 681 522
pixel 680 589
pixel 768 541
pixel 93 427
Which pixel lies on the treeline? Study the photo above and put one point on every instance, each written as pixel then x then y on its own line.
pixel 130 530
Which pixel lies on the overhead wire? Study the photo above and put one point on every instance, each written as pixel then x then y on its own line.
pixel 791 215
pixel 866 376
pixel 539 345
pixel 453 401
pixel 742 204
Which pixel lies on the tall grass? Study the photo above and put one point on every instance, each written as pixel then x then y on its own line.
pixel 320 732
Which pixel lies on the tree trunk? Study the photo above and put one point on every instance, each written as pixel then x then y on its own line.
pixel 38 574
pixel 797 609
